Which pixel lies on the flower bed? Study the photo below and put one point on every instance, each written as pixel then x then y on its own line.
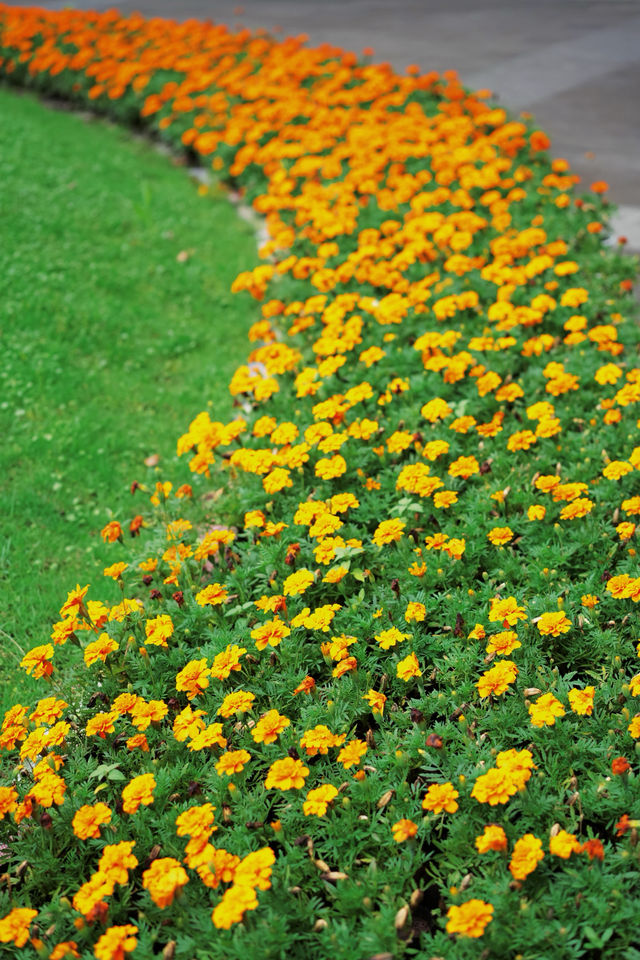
pixel 370 689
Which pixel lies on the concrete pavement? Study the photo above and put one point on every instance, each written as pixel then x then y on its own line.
pixel 574 64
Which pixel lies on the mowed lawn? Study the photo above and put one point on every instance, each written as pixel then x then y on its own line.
pixel 116 326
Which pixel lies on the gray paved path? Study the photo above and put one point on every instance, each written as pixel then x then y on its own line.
pixel 574 64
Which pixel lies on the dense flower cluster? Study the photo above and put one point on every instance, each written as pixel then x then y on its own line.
pixel 382 637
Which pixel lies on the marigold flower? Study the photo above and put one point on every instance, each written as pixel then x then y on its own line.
pixel 439 797
pixel 318 800
pixel 159 630
pixel 164 879
pixel 36 661
pixel 193 678
pixel 497 679
pixel 404 830
pixel 137 792
pixel 115 942
pixel 352 753
pixel 388 531
pixel 619 765
pixel 376 701
pixel 553 624
pixel 581 701
pixel 500 535
pixel 232 762
pixel 563 844
pixel 526 855
pixel 492 838
pixel 545 710
pixel 272 633
pixel 286 774
pixel 112 532
pixel 116 860
pixel 14 927
pixel 212 595
pixel 470 919
pixel 231 909
pixel 239 702
pixel 507 611
pixel 408 668
pixel 88 819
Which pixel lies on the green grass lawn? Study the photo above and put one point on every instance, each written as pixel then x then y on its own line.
pixel 110 342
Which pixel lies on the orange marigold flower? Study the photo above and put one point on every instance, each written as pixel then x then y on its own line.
pixel 404 830
pixel 231 909
pixel 164 879
pixel 620 765
pixel 470 919
pixel 88 820
pixel 116 860
pixel 526 855
pixel 112 532
pixel 507 611
pixel 376 701
pixel 36 661
pixel 593 848
pixel 492 838
pixel 439 797
pixel 563 844
pixel 14 927
pixel 138 792
pixel 500 535
pixel 193 678
pixel 241 701
pixel 115 942
pixel 352 753
pixel 159 630
pixel 272 633
pixel 232 762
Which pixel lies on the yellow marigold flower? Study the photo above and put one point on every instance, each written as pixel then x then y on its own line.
pixel 232 762
pixel 227 661
pixel 439 797
pixel 272 633
pixel 376 701
pixel 436 409
pixel 388 531
pixel 464 467
pixel 193 678
pixel 455 547
pixel 138 792
pixel 14 927
pixel 64 950
pixel 581 701
pixel 240 701
pixel 231 909
pixel 536 511
pixel 492 838
pixel 526 855
pixel 318 800
pixel 100 649
pixel 36 661
pixel 212 595
pixel 352 753
pixel 634 727
pixel 617 469
pixel 88 820
pixel 500 535
pixel 277 480
pixel 544 711
pixel 115 942
pixel 626 530
pixel 470 919
pixel 46 711
pixel 577 509
pixel 507 611
pixel 296 583
pixel 493 787
pixel 115 571
pixel 286 774
pixel 503 643
pixel 320 739
pixel 268 727
pixel 553 624
pixel 328 468
pixel 497 679
pixel 415 612
pixel 408 668
pixel 404 830
pixel 143 713
pixel 521 440
pixel 390 637
pixel 563 844
pixel 159 630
